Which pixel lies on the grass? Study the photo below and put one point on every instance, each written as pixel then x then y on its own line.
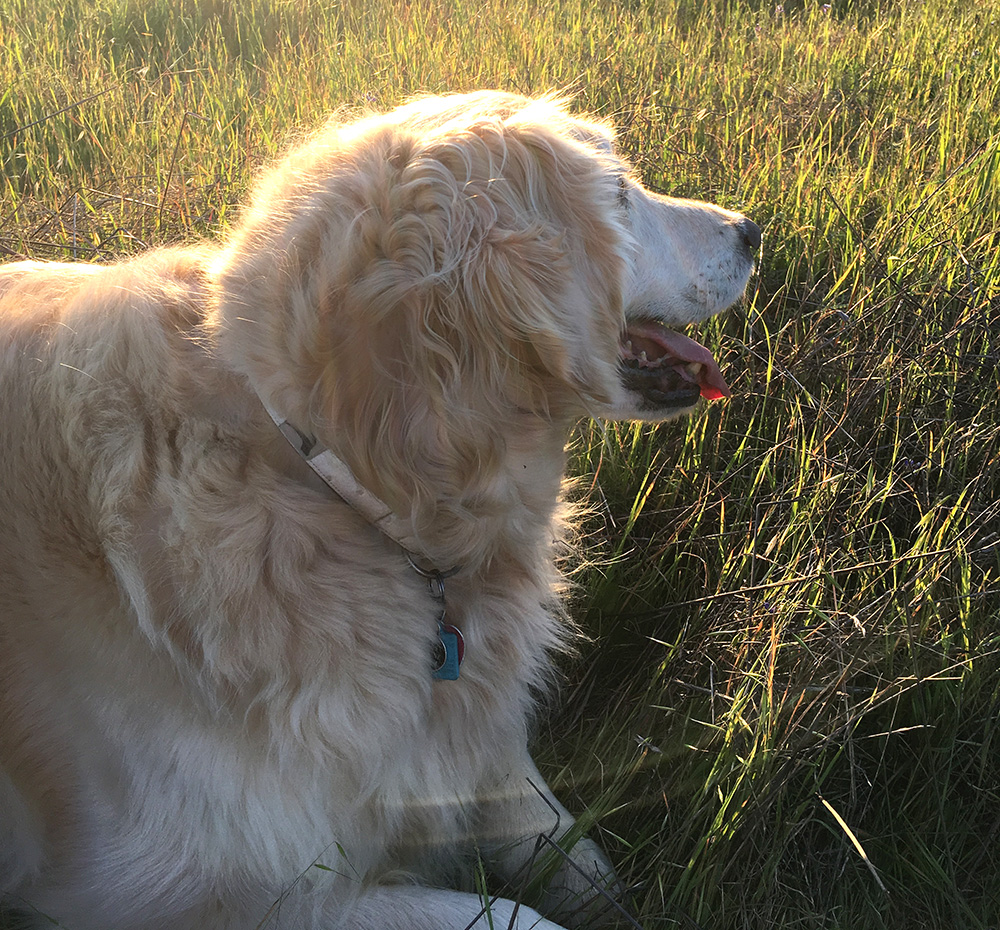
pixel 788 713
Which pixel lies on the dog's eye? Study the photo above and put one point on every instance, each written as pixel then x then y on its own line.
pixel 622 193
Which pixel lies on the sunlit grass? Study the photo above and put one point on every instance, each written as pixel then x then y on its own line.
pixel 793 595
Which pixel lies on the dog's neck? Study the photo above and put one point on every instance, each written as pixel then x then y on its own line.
pixel 472 532
pixel 336 473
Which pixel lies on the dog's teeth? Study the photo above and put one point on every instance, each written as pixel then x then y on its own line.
pixel 642 357
pixel 628 347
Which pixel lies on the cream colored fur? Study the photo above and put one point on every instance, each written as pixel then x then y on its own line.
pixel 214 675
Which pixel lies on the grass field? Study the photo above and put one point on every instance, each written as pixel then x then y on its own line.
pixel 788 715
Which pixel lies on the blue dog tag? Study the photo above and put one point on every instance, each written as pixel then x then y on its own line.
pixel 454 651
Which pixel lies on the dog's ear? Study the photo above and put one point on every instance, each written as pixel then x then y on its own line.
pixel 494 251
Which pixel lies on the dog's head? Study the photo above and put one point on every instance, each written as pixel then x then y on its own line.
pixel 418 283
pixel 691 260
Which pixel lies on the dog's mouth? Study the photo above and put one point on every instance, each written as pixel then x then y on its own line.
pixel 666 368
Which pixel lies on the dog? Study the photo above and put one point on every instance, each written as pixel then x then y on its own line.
pixel 280 517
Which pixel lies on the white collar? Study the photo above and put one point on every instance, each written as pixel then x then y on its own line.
pixel 338 475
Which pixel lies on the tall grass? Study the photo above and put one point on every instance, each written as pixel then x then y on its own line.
pixel 787 714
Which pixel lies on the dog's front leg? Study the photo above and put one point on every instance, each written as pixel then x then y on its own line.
pixel 409 907
pixel 513 815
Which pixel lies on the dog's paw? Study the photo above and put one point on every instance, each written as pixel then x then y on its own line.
pixel 584 890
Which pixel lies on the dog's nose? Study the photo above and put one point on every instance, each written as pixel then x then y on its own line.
pixel 750 232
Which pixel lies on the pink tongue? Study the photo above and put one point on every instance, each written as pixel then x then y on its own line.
pixel 713 385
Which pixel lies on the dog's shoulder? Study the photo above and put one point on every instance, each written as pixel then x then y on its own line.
pixel 85 315
pixel 96 362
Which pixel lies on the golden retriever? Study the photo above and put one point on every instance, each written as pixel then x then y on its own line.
pixel 231 697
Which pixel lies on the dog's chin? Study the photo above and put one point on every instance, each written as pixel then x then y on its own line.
pixel 663 373
pixel 635 407
pixel 658 391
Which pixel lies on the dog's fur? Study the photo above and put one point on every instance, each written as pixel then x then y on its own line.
pixel 214 674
